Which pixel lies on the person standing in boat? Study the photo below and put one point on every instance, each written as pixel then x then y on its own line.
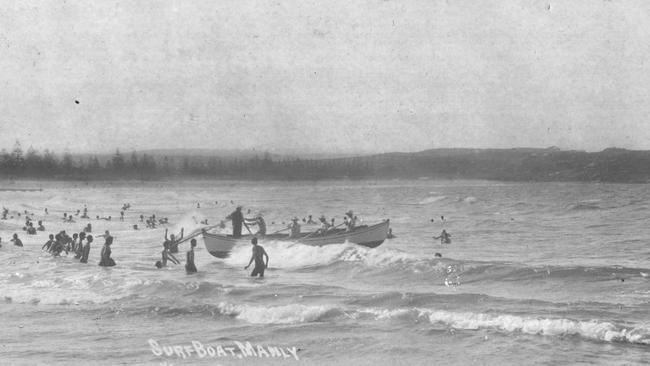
pixel 295 228
pixel 258 256
pixel 237 218
pixel 261 224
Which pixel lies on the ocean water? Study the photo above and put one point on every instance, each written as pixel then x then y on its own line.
pixel 537 273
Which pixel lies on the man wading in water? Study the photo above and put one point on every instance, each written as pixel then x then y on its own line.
pixel 258 256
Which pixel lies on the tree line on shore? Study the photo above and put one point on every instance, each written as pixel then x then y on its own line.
pixel 17 163
pixel 524 164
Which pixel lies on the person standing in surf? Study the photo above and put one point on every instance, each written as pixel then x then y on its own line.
pixel 85 252
pixel 166 255
pixel 445 238
pixel 258 256
pixel 190 267
pixel 48 245
pixel 237 218
pixel 108 239
pixel 172 242
pixel 106 260
pixel 17 242
pixel 78 250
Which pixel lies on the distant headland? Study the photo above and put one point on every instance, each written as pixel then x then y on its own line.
pixel 517 164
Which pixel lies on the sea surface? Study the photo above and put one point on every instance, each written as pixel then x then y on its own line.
pixel 536 274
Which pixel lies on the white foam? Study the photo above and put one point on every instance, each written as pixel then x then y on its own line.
pixel 293 255
pixel 470 200
pixel 598 330
pixel 431 199
pixel 286 314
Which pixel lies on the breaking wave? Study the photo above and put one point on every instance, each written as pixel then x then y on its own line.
pixel 592 329
pixel 431 199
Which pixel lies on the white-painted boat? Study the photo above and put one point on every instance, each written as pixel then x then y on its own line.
pixel 220 245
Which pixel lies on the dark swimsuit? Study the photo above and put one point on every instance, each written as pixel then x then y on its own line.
pixel 85 253
pixel 190 267
pixel 106 261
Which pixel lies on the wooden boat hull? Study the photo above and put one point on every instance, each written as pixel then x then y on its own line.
pixel 220 245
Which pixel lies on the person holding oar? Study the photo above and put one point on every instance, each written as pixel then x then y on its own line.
pixel 259 221
pixel 351 222
pixel 324 226
pixel 295 228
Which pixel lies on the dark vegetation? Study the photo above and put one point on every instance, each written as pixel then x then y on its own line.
pixel 610 165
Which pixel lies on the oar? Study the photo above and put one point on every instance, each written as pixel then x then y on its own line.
pixel 196 233
pixel 314 232
pixel 279 231
pixel 249 230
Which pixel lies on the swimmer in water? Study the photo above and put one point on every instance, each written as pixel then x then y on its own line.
pixel 445 238
pixel 190 267
pixel 258 256
pixel 48 244
pixel 17 242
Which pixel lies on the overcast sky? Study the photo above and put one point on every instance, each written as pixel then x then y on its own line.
pixel 324 76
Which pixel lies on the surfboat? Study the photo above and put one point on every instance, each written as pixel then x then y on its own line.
pixel 220 245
